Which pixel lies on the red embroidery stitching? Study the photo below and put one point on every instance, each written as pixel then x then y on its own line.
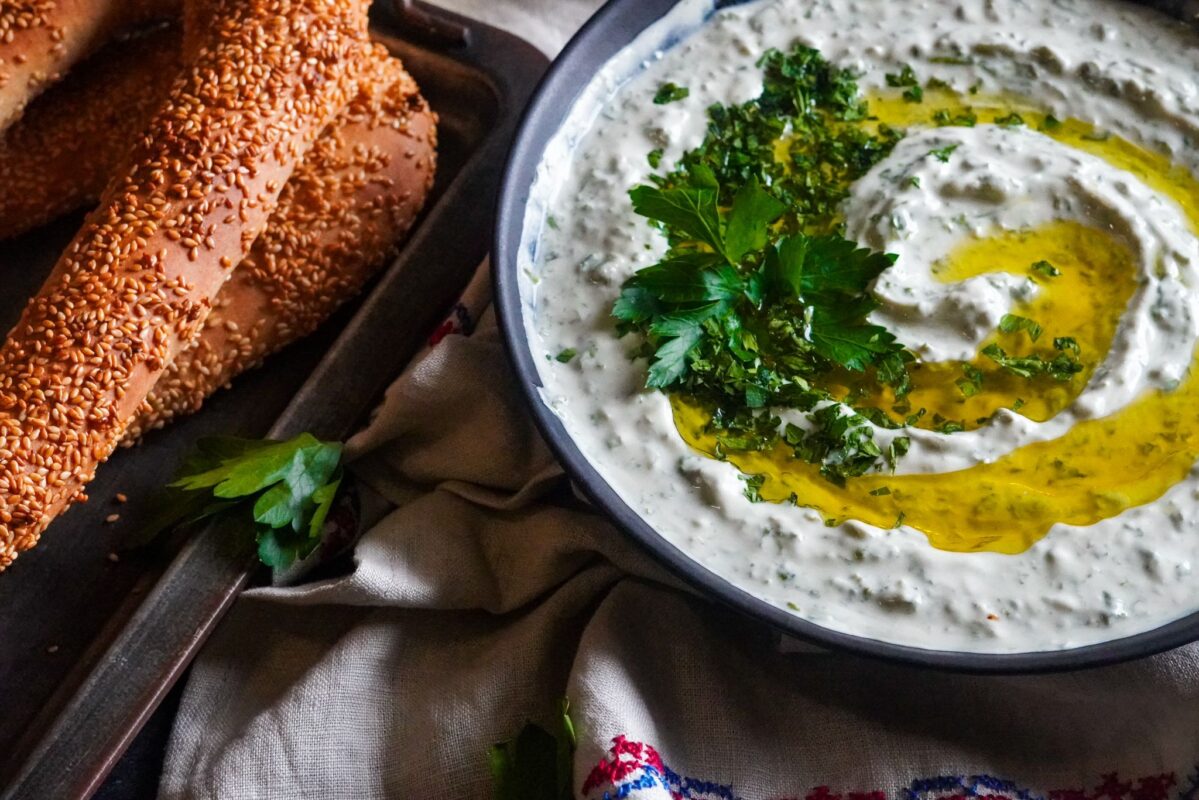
pixel 631 767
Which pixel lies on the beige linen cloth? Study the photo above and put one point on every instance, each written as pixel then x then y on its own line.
pixel 489 593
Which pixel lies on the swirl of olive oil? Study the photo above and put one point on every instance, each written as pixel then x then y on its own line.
pixel 1099 468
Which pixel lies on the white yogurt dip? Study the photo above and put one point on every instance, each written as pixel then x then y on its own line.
pixel 1110 64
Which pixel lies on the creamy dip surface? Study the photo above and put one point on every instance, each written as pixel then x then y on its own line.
pixel 1114 68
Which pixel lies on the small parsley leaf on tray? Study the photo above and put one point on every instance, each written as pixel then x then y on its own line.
pixel 281 492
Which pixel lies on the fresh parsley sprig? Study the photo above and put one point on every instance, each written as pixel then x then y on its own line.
pixel 760 300
pixel 792 307
pixel 743 318
pixel 283 490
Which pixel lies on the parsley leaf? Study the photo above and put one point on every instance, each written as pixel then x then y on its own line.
pixel 670 359
pixel 670 93
pixel 287 488
pixel 942 154
pixel 691 211
pixel 754 210
pixel 1011 323
pixel 1062 367
pixel 566 356
pixel 835 264
pixel 840 337
pixel 972 382
pixel 785 265
pixel 680 279
pixel 1045 268
pixel 536 764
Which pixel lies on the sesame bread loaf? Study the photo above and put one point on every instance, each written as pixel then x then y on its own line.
pixel 137 282
pixel 60 154
pixel 340 218
pixel 41 39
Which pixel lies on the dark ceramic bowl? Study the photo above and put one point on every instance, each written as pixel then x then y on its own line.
pixel 616 25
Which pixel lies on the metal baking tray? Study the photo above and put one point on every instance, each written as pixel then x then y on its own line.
pixel 92 635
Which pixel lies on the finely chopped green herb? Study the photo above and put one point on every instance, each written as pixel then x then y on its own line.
pixel 760 301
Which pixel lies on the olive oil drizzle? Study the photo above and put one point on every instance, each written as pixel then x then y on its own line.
pixel 1095 471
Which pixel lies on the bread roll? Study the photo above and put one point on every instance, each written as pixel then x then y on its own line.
pixel 41 39
pixel 137 282
pixel 339 219
pixel 60 154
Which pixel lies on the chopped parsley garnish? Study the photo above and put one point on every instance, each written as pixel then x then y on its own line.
pixel 1050 123
pixel 1062 367
pixel 944 425
pixel 971 382
pixel 760 300
pixel 753 487
pixel 942 154
pixel 1010 120
pixel 670 93
pixel 815 109
pixel 1011 323
pixel 962 119
pixel 906 78
pixel 1045 268
pixel 760 308
pixel 1066 344
pixel 566 356
pixel 843 444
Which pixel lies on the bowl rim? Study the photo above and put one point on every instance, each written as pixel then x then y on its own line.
pixel 612 27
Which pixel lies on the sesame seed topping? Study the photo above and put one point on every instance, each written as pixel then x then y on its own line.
pixel 267 77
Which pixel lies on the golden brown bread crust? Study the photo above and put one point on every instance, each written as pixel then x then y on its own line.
pixel 41 39
pixel 60 154
pixel 339 219
pixel 138 280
